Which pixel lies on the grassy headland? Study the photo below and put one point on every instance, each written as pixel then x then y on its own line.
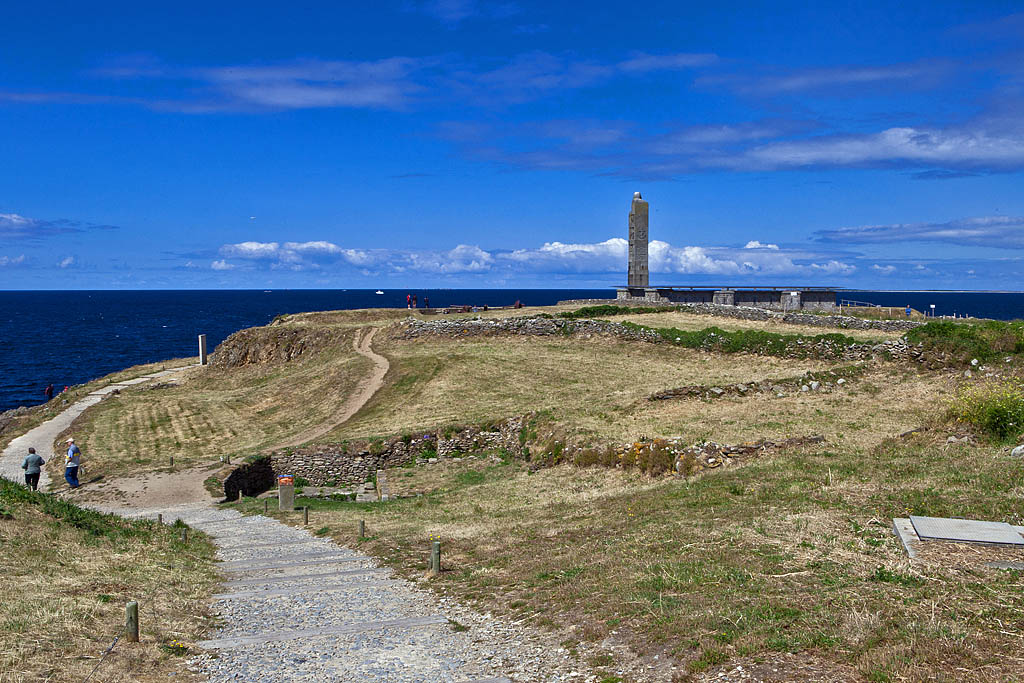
pixel 787 560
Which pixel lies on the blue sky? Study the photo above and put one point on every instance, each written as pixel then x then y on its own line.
pixel 458 143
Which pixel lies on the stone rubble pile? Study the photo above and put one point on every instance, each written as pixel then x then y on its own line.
pixel 811 381
pixel 692 459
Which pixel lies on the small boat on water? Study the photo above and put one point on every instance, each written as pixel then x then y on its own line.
pixel 378 292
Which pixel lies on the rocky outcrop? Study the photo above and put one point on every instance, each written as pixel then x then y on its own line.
pixel 275 344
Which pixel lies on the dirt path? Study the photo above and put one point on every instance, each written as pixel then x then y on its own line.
pixel 363 393
pixel 123 495
pixel 42 437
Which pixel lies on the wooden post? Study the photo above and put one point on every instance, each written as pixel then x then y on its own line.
pixel 305 516
pixel 131 621
pixel 159 518
pixel 435 558
pixel 184 535
pixel 362 528
pixel 227 459
pixel 172 461
pixel 266 503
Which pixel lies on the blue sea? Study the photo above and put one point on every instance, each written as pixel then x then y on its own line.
pixel 72 337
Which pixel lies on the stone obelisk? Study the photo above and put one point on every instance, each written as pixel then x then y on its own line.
pixel 638 274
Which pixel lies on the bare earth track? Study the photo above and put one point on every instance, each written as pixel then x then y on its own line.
pixel 364 392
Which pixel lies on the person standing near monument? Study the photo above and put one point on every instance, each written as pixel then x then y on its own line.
pixel 71 464
pixel 33 465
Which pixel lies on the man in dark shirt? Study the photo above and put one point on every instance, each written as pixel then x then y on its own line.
pixel 48 391
pixel 33 465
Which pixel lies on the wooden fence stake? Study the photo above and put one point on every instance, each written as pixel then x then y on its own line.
pixel 184 535
pixel 159 518
pixel 266 503
pixel 362 528
pixel 305 516
pixel 172 461
pixel 131 621
pixel 435 558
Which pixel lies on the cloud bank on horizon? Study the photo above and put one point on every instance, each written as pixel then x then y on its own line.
pixel 853 146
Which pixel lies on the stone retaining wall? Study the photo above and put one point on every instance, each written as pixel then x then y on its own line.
pixel 348 465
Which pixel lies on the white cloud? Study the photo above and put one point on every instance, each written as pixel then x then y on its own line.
pixel 251 250
pixel 883 270
pixel 989 231
pixel 17 227
pixel 961 148
pixel 605 257
pixel 12 260
pixel 66 262
pixel 921 74
pixel 221 265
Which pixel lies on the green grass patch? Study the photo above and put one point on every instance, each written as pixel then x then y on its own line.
pixel 965 341
pixel 996 409
pixel 605 310
pixel 754 341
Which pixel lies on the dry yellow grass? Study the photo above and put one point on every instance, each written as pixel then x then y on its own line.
pixel 789 553
pixel 598 388
pixel 65 590
pixel 217 411
pixel 41 413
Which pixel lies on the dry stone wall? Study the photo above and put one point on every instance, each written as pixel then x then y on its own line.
pixel 347 465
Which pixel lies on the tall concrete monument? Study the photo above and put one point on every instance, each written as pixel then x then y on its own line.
pixel 638 273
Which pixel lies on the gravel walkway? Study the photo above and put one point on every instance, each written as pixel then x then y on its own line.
pixel 295 607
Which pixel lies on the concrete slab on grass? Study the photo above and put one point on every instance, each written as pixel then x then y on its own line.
pixel 965 531
pixel 905 532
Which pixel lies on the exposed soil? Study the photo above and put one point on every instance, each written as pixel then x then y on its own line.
pixel 363 393
pixel 149 490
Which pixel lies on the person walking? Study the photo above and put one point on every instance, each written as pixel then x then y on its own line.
pixel 71 463
pixel 426 302
pixel 33 465
pixel 48 391
pixel 414 301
